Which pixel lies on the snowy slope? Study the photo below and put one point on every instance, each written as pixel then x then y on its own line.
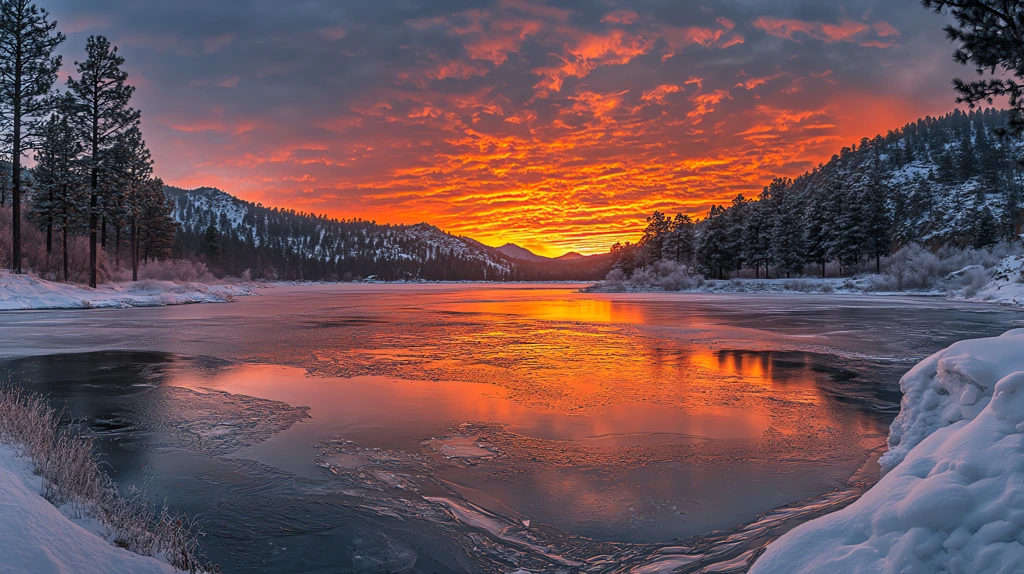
pixel 21 292
pixel 953 499
pixel 35 538
pixel 1006 286
pixel 364 248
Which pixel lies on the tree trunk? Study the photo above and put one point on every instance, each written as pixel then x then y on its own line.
pixel 93 199
pixel 822 268
pixel 135 251
pixel 16 170
pixel 64 232
pixel 103 232
pixel 878 262
pixel 117 245
pixel 49 227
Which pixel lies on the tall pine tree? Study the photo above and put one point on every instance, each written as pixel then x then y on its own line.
pixel 61 197
pixel 28 70
pixel 102 94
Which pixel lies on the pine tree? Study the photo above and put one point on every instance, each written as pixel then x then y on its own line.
pixel 654 235
pixel 680 242
pixel 1011 209
pixel 991 37
pixel 757 235
pixel 28 70
pixel 711 256
pixel 877 221
pixel 102 95
pixel 848 235
pixel 787 228
pixel 156 227
pixel 816 233
pixel 135 169
pixel 61 197
pixel 984 232
pixel 211 242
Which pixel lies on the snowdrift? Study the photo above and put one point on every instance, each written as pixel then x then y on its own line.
pixel 952 499
pixel 22 292
pixel 1006 286
pixel 38 539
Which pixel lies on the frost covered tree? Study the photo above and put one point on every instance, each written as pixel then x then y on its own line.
pixel 28 70
pixel 102 96
pixel 787 227
pixel 757 234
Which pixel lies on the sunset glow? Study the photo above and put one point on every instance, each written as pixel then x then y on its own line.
pixel 558 126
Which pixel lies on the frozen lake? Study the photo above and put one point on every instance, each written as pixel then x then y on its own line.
pixel 478 428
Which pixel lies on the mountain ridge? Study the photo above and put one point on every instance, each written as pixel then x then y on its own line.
pixel 239 237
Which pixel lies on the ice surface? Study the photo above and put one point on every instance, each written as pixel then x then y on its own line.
pixel 952 501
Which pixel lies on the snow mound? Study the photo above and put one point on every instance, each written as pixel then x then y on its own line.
pixel 38 539
pixel 22 292
pixel 953 499
pixel 1006 286
pixel 951 385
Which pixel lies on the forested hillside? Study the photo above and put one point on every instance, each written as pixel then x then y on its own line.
pixel 948 181
pixel 237 237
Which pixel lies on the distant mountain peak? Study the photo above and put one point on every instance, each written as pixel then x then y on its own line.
pixel 570 255
pixel 516 252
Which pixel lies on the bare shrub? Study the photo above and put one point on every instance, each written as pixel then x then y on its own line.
pixel 50 265
pixel 64 457
pixel 182 270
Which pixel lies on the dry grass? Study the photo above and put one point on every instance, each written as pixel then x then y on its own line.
pixel 64 457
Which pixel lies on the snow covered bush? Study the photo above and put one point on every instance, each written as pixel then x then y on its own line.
pixel 672 276
pixel 952 499
pixel 912 267
pixel 64 457
pixel 665 275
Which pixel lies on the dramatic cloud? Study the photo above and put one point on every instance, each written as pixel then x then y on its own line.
pixel 556 124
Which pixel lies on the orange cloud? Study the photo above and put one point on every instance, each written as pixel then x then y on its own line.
pixel 621 17
pixel 845 31
pixel 657 95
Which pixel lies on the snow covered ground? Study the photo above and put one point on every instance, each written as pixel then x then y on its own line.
pixel 1006 286
pixel 28 292
pixel 1002 284
pixel 953 497
pixel 36 538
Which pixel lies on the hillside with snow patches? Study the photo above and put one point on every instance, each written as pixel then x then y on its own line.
pixel 271 243
pixel 950 180
pixel 277 243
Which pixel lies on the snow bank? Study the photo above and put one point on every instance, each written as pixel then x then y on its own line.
pixel 1006 286
pixel 953 499
pixel 28 292
pixel 38 539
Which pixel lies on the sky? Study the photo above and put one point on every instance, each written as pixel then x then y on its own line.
pixel 558 125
